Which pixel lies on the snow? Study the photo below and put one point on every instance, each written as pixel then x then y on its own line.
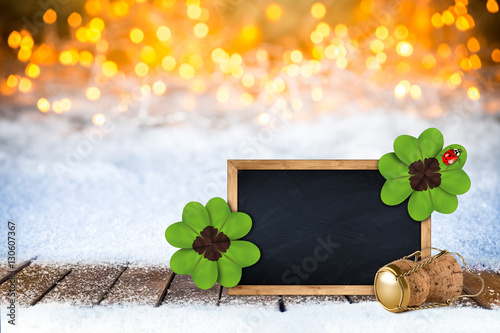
pixel 84 193
pixel 304 317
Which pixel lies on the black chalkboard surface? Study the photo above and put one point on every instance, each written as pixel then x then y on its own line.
pixel 320 225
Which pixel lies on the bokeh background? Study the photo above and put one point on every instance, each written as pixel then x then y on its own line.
pixel 115 114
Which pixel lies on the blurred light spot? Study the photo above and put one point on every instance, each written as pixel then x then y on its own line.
pixel 12 81
pixel 475 62
pixel 93 93
pixel 50 16
pixel 401 32
pixel 246 99
pixel 316 37
pixel 382 32
pixel 495 55
pixel 218 55
pixel 367 6
pixel 460 8
pixel 120 8
pixel 454 80
pixel 163 33
pixel 33 71
pixel 473 93
pixel 93 7
pixel 465 64
pixel 96 24
pixel 109 68
pixel 200 29
pixel 341 63
pixel 399 90
pixel 141 69
pixel 136 35
pixel 69 57
pixel 279 85
pixel 98 119
pixel 293 70
pixel 168 63
pixel 318 10
pixel 14 39
pixel 448 17
pixel 261 55
pixel 428 61
pixel 222 94
pixel 148 54
pixel 381 57
pixel 296 56
pixel 65 104
pixel 404 49
pixel 341 30
pixel 376 46
pixel 24 55
pixel 159 88
pixel 444 50
pixel 415 92
pixel 186 71
pixel 473 45
pixel 437 20
pixel 27 42
pixel 194 12
pixel 492 6
pixel 86 58
pixel 274 12
pixel 297 104
pixel 81 34
pixel 462 24
pixel 145 90
pixel 248 80
pixel 317 94
pixel 372 63
pixel 199 86
pixel 264 118
pixel 323 28
pixel 25 85
pixel 43 105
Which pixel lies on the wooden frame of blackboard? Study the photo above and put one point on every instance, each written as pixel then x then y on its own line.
pixel 233 166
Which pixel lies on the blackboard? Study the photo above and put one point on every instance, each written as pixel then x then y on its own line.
pixel 320 225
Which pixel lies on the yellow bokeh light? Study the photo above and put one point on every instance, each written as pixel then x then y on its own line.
pixel 323 28
pixel 404 49
pixel 93 93
pixel 248 80
pixel 186 71
pixel 372 63
pixel 222 95
pixel 473 93
pixel 199 86
pixel 462 24
pixel 148 54
pixel 475 62
pixel 25 85
pixel 93 36
pixel 382 32
pixel 296 56
pixel 163 33
pixel 236 59
pixel 43 105
pixel 316 37
pixel 318 10
pixel 448 17
pixel 120 8
pixel 473 45
pixel 193 12
pixel 93 7
pixel 237 72
pixel 317 94
pixel 444 50
pixel 246 99
pixel 159 87
pixel 168 63
pixel 297 104
pixel 274 12
pixel 495 55
pixel 460 8
pixel 437 20
pixel 24 55
pixel 341 62
pixel 109 68
pixel 27 42
pixel 376 46
pixel 415 92
pixel 200 30
pixel 50 16
pixel 86 58
pixel 399 91
pixel 141 69
pixel 66 104
pixel 136 35
pixel 261 55
pixel 454 80
pixel 98 119
pixel 279 85
pixel 74 20
pixel 249 33
pixel 264 118
pixel 401 32
pixel 367 6
pixel 381 57
pixel 465 64
pixel 145 90
pixel 12 81
pixel 492 6
pixel 69 57
pixel 219 55
pixel 14 39
pixel 81 34
pixel 96 24
pixel 428 61
pixel 341 30
pixel 57 107
pixel 33 71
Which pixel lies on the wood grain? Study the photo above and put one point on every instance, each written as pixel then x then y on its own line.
pixel 260 300
pixel 304 164
pixel 184 291
pixel 302 290
pixel 139 285
pixel 7 272
pixel 86 285
pixel 490 297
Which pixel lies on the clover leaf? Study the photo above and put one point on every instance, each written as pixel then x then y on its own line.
pixel 209 247
pixel 420 168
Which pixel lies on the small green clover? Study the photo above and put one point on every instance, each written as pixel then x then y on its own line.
pixel 210 249
pixel 421 169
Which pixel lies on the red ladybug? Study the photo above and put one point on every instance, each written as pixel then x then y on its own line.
pixel 451 156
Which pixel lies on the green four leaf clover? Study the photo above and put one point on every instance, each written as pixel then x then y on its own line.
pixel 210 249
pixel 418 170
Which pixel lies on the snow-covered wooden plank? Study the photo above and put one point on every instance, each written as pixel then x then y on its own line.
pixel 260 300
pixel 490 297
pixel 182 290
pixel 6 272
pixel 86 285
pixel 34 281
pixel 360 299
pixel 139 285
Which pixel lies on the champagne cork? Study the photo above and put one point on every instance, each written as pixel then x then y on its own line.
pixel 418 281
pixel 446 279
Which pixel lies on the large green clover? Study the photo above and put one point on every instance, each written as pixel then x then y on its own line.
pixel 418 169
pixel 210 249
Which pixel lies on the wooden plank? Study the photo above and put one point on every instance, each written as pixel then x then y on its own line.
pixel 490 297
pixel 289 302
pixel 86 285
pixel 260 300
pixel 7 272
pixel 139 285
pixel 425 237
pixel 353 299
pixel 302 290
pixel 304 164
pixel 33 281
pixel 183 291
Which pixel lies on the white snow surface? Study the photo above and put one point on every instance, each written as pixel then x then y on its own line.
pixel 303 317
pixel 83 193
